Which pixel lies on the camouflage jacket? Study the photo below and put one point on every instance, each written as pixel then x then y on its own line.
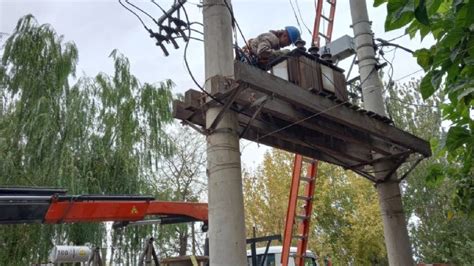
pixel 264 45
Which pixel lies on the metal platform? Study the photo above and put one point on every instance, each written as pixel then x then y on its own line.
pixel 280 114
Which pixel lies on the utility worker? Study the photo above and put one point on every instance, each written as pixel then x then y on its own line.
pixel 266 47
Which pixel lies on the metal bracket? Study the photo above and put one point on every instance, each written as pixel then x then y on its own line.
pixel 260 103
pixel 226 106
pixel 411 168
pixel 381 159
pixel 200 130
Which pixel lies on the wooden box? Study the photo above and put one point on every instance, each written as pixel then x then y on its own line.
pixel 312 73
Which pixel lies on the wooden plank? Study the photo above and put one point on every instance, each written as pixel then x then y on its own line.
pixel 192 98
pixel 340 85
pixel 293 70
pixel 267 83
pixel 317 77
pixel 309 70
pixel 305 73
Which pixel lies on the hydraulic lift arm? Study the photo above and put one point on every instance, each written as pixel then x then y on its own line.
pixel 20 205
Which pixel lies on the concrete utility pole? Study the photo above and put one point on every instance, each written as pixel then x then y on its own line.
pixel 395 228
pixel 226 208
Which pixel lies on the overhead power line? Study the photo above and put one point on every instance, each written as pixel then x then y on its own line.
pixel 294 13
pixel 134 13
pixel 301 17
pixel 141 10
pixel 234 20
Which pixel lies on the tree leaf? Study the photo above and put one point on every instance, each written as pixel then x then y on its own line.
pixel 426 87
pixel 379 2
pixel 434 6
pixel 399 13
pixel 435 175
pixel 457 136
pixel 421 14
pixel 424 58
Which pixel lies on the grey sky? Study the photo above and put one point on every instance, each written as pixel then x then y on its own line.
pixel 98 27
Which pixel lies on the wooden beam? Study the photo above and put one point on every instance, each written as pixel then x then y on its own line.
pixel 356 139
pixel 326 143
pixel 303 145
pixel 272 85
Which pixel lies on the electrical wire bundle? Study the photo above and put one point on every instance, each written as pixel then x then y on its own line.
pixel 170 25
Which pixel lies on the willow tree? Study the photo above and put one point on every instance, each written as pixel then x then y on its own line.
pixel 100 135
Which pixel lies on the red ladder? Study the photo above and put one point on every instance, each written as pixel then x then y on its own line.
pixel 303 217
pixel 317 22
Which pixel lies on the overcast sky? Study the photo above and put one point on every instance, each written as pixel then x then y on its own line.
pixel 97 27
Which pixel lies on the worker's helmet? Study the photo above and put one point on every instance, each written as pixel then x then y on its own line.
pixel 293 33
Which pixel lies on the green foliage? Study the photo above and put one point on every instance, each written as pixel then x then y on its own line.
pixel 438 234
pixel 101 135
pixel 449 66
pixel 346 223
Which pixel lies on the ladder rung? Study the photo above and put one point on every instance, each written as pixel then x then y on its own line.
pixel 307 179
pixel 326 18
pixel 302 217
pixel 305 198
pixel 300 237
pixel 324 36
pixel 308 160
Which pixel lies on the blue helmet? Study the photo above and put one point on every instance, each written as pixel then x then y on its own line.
pixel 293 33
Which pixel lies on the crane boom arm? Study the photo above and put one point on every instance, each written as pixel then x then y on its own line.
pixel 37 207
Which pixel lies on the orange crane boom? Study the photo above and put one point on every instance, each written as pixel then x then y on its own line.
pixel 33 205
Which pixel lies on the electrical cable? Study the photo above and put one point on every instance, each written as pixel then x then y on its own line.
pixel 136 15
pixel 186 58
pixel 196 22
pixel 302 20
pixel 156 4
pixel 299 121
pixel 198 31
pixel 419 70
pixel 294 13
pixel 187 64
pixel 387 43
pixel 354 59
pixel 235 21
pixel 408 75
pixel 193 38
pixel 143 11
pixel 190 72
pixel 414 104
pixel 390 63
pixel 398 37
pixel 196 4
